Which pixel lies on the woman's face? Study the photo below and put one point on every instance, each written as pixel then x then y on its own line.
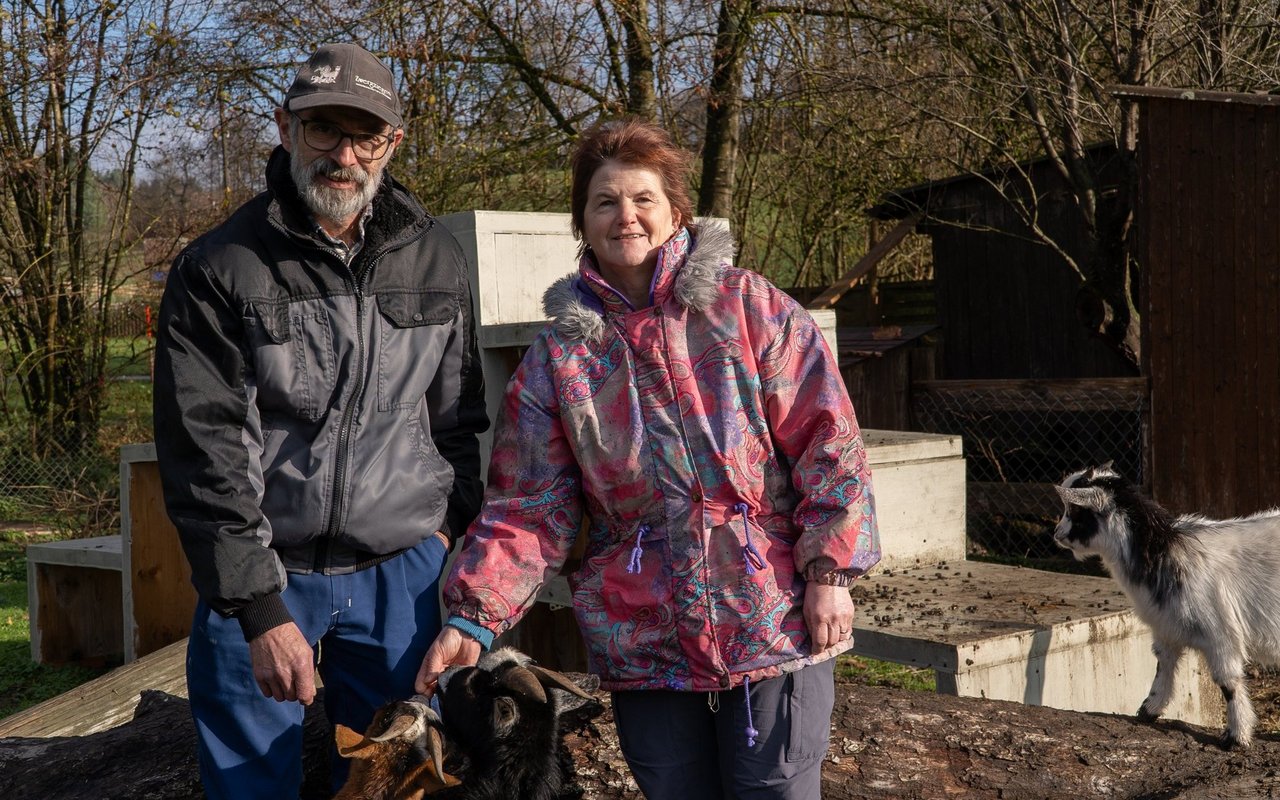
pixel 627 217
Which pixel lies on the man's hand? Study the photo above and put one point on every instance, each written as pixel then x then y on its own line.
pixel 828 611
pixel 283 664
pixel 451 648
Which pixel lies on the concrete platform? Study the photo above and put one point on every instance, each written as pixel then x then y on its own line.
pixel 1007 633
pixel 919 485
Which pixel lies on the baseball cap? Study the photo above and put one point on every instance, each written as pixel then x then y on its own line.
pixel 345 75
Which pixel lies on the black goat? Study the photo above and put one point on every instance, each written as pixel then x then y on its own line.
pixel 500 737
pixel 502 717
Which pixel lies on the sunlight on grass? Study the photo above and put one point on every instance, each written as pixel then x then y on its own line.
pixel 870 672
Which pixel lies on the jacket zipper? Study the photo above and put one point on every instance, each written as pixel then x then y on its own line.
pixel 684 434
pixel 341 457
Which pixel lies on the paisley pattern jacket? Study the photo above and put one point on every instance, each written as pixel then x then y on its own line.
pixel 706 449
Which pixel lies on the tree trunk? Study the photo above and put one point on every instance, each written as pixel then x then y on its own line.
pixel 642 99
pixel 724 108
pixel 886 743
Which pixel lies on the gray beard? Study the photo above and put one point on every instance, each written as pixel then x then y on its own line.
pixel 336 205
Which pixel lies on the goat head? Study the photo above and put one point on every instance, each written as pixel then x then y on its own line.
pixel 399 757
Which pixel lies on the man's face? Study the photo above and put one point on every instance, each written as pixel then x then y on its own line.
pixel 336 183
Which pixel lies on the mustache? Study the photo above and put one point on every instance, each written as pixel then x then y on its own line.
pixel 323 167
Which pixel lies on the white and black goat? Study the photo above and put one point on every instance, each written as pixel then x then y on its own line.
pixel 499 738
pixel 1211 585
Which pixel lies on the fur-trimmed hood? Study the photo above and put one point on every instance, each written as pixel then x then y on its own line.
pixel 575 310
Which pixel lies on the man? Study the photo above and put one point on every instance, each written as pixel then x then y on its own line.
pixel 317 404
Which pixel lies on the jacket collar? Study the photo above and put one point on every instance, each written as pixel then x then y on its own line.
pixel 689 269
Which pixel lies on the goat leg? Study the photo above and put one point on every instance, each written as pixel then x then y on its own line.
pixel 1228 672
pixel 1167 657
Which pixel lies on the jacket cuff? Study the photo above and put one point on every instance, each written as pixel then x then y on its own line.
pixel 447 530
pixel 482 635
pixel 834 577
pixel 262 615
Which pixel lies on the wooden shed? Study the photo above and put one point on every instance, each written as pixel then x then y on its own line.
pixel 1006 301
pixel 1208 235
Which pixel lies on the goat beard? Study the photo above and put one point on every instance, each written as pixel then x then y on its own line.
pixel 326 202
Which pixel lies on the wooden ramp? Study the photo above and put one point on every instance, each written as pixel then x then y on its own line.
pixel 103 702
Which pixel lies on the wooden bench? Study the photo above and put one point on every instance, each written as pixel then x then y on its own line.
pixel 113 598
pixel 75 601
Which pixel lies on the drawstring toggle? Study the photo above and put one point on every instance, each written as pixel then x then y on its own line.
pixel 634 566
pixel 750 555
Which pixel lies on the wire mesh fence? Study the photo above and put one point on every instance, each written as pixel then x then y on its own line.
pixel 1021 438
pixel 71 496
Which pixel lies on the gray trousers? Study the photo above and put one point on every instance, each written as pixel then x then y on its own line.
pixel 685 745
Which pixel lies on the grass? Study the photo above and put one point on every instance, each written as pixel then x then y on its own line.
pixel 23 683
pixel 870 672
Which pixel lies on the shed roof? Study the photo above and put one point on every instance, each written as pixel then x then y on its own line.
pixel 923 197
pixel 858 343
pixel 1170 93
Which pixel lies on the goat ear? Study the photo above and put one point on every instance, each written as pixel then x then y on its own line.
pixel 350 744
pixel 554 680
pixel 505 714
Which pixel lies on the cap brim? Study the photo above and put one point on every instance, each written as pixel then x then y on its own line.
pixel 344 100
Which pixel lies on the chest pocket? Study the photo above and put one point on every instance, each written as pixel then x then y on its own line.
pixel 293 357
pixel 414 330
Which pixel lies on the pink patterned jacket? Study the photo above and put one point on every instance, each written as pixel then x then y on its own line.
pixel 711 444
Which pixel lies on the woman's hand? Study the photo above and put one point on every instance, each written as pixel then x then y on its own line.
pixel 451 648
pixel 828 611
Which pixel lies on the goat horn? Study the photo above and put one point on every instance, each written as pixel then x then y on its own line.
pixel 524 681
pixel 1093 497
pixel 404 724
pixel 435 740
pixel 552 679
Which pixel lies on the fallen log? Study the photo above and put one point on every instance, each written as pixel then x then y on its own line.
pixel 886 743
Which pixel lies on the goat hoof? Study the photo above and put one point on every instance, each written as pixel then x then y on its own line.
pixel 1230 742
pixel 1146 716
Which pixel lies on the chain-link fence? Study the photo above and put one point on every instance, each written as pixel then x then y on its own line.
pixel 1021 438
pixel 71 496
pixel 77 494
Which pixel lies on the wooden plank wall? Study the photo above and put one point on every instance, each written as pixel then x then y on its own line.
pixel 163 599
pixel 1208 233
pixel 1006 302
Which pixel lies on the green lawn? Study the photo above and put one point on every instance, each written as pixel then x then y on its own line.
pixel 869 672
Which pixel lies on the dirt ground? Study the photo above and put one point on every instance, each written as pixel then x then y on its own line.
pixel 1264 689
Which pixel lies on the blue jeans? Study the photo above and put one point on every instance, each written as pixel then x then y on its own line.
pixel 370 630
pixel 680 746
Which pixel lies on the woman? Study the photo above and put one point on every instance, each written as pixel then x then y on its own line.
pixel 693 412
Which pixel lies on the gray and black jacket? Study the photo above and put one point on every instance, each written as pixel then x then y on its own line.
pixel 310 415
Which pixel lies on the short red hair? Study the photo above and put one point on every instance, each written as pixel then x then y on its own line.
pixel 637 143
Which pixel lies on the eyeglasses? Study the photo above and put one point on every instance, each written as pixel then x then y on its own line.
pixel 325 136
